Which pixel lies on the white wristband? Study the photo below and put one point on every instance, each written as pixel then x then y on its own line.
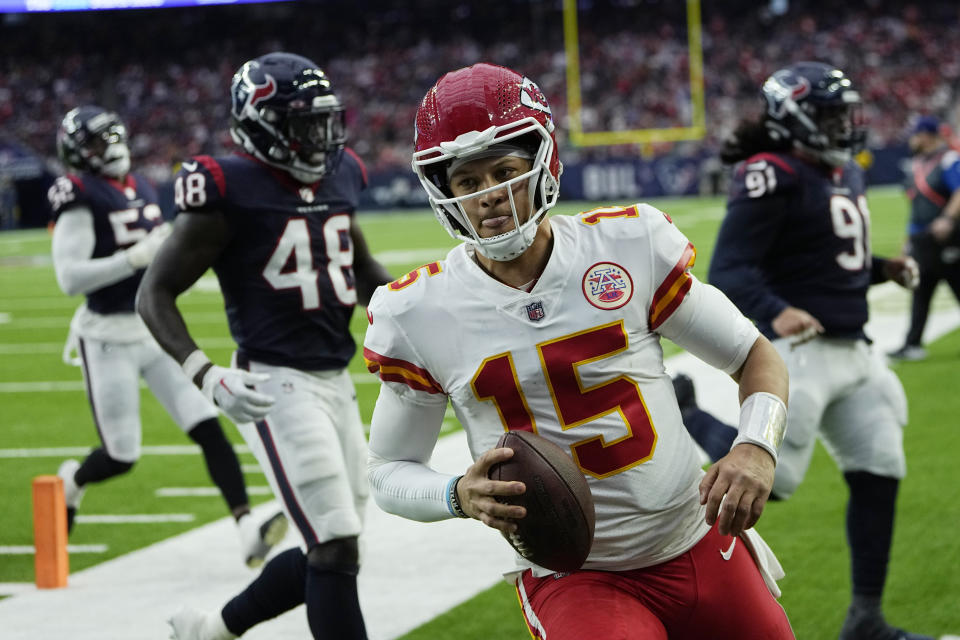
pixel 193 363
pixel 763 422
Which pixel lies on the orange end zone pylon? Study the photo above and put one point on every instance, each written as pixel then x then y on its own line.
pixel 51 562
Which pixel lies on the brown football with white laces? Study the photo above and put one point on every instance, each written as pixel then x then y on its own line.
pixel 557 531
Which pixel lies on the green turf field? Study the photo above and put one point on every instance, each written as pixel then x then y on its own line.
pixel 44 407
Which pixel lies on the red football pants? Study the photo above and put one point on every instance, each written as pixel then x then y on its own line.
pixel 697 595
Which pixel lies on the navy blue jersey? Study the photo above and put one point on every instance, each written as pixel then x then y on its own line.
pixel 796 234
pixel 123 213
pixel 286 275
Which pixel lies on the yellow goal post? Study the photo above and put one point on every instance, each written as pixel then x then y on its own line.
pixel 581 138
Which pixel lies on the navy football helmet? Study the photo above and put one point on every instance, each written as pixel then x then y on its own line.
pixel 95 140
pixel 816 106
pixel 285 113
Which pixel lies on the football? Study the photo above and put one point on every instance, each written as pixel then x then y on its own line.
pixel 557 532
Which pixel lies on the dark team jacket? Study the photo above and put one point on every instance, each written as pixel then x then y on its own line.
pixel 796 234
pixel 123 213
pixel 930 183
pixel 286 275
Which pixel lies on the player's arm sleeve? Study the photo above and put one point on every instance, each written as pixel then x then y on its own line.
pixel 402 436
pixel 746 235
pixel 73 244
pixel 710 327
pixel 406 420
pixel 878 270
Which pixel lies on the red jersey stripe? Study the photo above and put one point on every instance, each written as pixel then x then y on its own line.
pixel 214 168
pixel 769 157
pixel 396 370
pixel 677 283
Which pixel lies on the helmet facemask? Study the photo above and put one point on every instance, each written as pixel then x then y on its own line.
pixel 840 133
pixel 432 165
pixel 116 154
pixel 305 142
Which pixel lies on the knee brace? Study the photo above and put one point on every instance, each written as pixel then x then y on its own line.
pixel 340 555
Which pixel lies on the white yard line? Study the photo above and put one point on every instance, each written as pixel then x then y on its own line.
pixel 135 518
pixel 147 450
pixel 204 492
pixel 31 348
pixel 411 571
pixel 59 386
pixel 27 549
pixel 53 322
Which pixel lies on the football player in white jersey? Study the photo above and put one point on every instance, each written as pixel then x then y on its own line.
pixel 108 229
pixel 553 325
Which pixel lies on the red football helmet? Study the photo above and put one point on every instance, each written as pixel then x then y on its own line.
pixel 466 113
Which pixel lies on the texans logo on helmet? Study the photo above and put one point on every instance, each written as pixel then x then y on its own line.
pixel 782 85
pixel 531 96
pixel 801 89
pixel 251 94
pixel 262 91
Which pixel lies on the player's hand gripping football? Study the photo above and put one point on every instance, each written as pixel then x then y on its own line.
pixel 736 488
pixel 229 390
pixel 478 494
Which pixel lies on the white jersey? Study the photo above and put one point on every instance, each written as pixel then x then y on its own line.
pixel 577 360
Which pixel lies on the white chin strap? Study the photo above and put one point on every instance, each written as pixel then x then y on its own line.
pixel 508 246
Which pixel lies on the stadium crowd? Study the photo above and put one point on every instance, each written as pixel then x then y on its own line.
pixel 165 71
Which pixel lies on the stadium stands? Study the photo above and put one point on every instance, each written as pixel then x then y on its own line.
pixel 166 71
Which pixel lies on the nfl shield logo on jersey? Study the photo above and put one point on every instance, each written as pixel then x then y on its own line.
pixel 535 311
pixel 306 193
pixel 607 286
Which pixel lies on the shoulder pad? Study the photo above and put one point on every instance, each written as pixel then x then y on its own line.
pixel 199 184
pixel 764 174
pixel 409 282
pixel 349 155
pixel 65 192
pixel 603 217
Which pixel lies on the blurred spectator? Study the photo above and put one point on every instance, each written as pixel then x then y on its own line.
pixel 165 69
